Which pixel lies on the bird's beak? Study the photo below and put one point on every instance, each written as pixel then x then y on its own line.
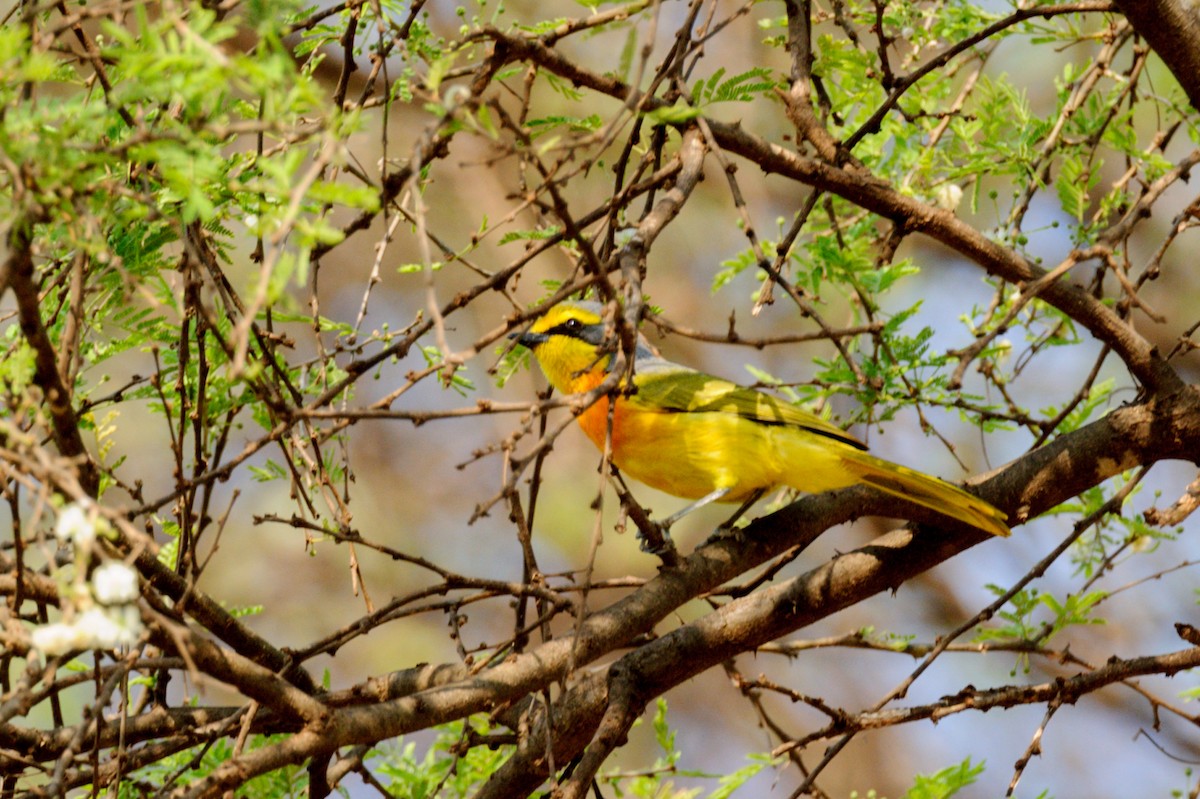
pixel 529 339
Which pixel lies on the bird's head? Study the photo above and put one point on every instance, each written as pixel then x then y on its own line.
pixel 566 340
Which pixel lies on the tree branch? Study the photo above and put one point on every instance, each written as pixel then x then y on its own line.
pixel 1172 30
pixel 18 270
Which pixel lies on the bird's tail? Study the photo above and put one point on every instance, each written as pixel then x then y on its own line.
pixel 930 492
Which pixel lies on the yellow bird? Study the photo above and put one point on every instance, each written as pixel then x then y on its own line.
pixel 702 438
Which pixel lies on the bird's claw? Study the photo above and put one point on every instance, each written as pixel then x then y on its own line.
pixel 726 532
pixel 655 538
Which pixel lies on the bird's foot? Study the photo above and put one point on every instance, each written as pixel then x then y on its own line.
pixel 726 532
pixel 655 538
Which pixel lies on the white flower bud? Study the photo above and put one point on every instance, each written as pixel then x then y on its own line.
pixel 51 640
pixel 114 584
pixel 75 527
pixel 948 196
pixel 109 628
pixel 96 628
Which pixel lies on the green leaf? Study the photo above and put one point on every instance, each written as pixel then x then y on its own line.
pixel 945 783
pixel 671 114
pixel 530 235
pixel 729 783
pixel 742 88
pixel 1074 185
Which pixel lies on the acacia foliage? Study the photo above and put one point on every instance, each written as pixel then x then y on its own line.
pixel 193 192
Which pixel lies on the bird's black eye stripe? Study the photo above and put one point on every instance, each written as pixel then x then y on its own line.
pixel 571 328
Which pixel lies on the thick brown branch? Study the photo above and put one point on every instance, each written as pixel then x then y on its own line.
pixel 251 679
pixel 572 730
pixel 1173 31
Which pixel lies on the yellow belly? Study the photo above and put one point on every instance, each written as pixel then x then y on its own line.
pixel 691 454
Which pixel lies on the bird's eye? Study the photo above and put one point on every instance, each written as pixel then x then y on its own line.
pixel 573 325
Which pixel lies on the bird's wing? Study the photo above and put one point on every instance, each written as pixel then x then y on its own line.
pixel 679 389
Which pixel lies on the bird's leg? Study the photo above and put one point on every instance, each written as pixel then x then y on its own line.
pixel 727 526
pixel 745 506
pixel 710 497
pixel 653 537
pixel 656 536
